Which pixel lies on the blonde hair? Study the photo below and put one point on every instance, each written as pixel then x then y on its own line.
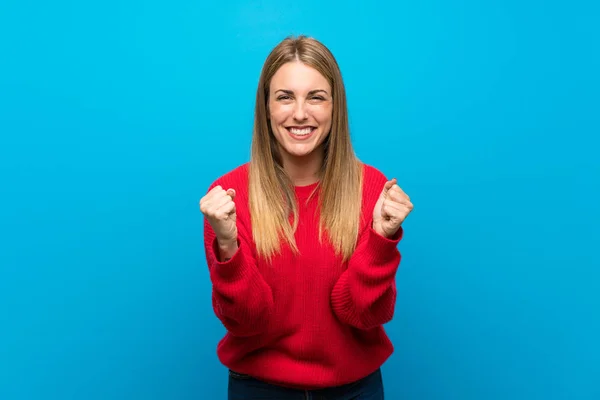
pixel 271 193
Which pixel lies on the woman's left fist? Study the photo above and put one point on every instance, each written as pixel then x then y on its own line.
pixel 391 209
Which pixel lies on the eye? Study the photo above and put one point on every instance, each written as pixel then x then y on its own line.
pixel 318 98
pixel 283 97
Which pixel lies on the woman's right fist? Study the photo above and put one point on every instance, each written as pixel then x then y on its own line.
pixel 218 207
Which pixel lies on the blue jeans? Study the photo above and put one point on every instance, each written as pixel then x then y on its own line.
pixel 244 387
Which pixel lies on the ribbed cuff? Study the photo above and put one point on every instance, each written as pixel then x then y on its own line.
pixel 381 249
pixel 232 269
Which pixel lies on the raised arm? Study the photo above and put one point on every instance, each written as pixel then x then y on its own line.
pixel 241 298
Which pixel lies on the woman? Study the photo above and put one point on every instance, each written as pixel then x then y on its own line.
pixel 301 243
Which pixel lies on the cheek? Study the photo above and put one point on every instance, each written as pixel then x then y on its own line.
pixel 278 113
pixel 323 115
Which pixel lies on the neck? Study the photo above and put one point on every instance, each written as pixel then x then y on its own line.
pixel 304 170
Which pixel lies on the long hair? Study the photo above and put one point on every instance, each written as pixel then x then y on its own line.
pixel 271 193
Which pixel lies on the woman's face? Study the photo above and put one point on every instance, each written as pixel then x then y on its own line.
pixel 300 109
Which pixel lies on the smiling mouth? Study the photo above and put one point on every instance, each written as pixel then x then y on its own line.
pixel 301 130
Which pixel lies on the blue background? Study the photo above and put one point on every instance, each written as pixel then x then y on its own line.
pixel 115 116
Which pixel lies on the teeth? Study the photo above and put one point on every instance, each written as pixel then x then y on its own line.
pixel 304 131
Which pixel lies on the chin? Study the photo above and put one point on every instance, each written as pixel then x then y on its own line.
pixel 300 153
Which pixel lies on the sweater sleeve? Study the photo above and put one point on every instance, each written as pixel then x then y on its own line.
pixel 241 298
pixel 365 294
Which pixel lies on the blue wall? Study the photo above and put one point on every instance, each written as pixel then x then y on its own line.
pixel 115 116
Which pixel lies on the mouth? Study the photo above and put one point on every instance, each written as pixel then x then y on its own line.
pixel 301 132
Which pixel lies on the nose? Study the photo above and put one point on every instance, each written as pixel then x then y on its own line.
pixel 299 111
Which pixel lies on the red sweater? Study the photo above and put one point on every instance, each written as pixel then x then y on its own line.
pixel 307 321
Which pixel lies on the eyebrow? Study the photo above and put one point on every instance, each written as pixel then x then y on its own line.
pixel 309 93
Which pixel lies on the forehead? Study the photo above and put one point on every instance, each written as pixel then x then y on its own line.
pixel 298 77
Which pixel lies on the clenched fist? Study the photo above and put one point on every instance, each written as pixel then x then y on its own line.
pixel 218 207
pixel 392 207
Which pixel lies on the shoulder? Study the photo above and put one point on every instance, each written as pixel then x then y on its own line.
pixel 373 178
pixel 236 178
pixel 373 182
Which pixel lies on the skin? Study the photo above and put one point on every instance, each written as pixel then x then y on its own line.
pixel 300 98
pixel 391 209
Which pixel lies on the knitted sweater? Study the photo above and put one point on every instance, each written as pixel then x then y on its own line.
pixel 307 321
